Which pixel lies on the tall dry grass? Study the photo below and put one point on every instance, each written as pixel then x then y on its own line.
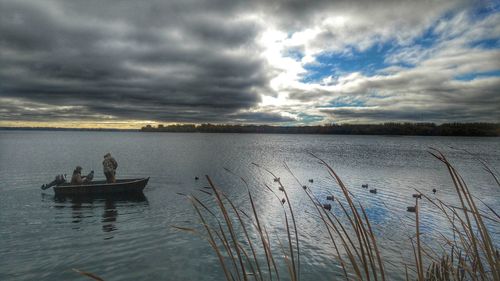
pixel 245 250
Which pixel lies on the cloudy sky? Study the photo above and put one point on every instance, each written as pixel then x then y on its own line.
pixel 126 63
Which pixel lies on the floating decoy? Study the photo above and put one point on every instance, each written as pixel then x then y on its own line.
pixel 281 188
pixel 329 197
pixel 311 180
pixel 283 201
pixel 276 179
pixel 411 209
pixel 327 206
pixel 434 190
pixel 364 185
pixel 373 190
pixel 304 187
pixel 196 178
pixel 416 195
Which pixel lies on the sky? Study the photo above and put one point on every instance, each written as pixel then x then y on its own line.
pixel 124 63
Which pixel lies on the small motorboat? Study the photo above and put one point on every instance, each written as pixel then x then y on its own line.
pixel 121 186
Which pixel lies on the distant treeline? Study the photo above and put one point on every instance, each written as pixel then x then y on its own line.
pixel 413 129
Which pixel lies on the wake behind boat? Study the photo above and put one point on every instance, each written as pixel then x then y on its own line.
pixel 121 186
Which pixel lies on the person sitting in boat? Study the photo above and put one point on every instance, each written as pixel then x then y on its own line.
pixel 77 178
pixel 109 166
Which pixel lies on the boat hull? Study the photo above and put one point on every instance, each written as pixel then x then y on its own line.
pixel 123 186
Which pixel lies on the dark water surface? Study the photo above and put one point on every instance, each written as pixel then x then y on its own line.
pixel 43 238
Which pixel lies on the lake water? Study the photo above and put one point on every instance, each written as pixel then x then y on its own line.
pixel 43 238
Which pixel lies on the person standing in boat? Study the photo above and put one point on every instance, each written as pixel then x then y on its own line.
pixel 109 166
pixel 77 178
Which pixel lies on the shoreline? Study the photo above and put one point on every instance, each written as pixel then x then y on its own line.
pixel 387 129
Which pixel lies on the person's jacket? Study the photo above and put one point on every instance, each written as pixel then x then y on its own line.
pixel 109 164
pixel 76 178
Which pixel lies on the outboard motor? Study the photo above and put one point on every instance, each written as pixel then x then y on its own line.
pixel 59 179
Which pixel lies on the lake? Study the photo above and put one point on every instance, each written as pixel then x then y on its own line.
pixel 43 238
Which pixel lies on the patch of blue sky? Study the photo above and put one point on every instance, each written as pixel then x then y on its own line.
pixel 478 75
pixel 370 61
pixel 428 38
pixel 486 8
pixel 306 118
pixel 344 103
pixel 488 44
pixel 367 62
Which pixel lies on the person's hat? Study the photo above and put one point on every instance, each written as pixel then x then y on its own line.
pixel 78 168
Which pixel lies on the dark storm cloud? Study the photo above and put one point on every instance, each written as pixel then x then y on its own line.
pixel 455 102
pixel 263 117
pixel 206 61
pixel 410 114
pixel 155 61
pixel 467 101
pixel 22 110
